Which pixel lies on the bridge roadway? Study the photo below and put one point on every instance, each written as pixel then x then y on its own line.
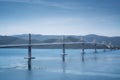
pixel 42 44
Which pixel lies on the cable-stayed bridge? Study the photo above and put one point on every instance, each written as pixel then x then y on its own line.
pixel 63 44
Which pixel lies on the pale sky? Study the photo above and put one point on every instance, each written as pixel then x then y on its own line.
pixel 60 17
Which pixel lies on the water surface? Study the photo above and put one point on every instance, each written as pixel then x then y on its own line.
pixel 48 65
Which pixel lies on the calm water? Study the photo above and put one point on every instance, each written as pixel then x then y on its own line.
pixel 48 65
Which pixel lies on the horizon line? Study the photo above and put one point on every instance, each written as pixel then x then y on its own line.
pixel 57 34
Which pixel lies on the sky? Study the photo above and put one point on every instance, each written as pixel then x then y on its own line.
pixel 60 17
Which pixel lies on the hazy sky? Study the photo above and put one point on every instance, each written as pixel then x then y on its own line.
pixel 69 17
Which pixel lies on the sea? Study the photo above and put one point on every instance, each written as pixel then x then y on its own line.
pixel 48 64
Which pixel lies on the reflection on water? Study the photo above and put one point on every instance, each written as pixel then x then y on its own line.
pixel 102 64
pixel 95 57
pixel 29 75
pixel 64 67
pixel 29 64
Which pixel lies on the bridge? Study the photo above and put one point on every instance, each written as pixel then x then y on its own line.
pixel 30 45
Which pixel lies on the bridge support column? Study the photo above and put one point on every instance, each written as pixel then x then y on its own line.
pixel 29 53
pixel 83 52
pixel 95 48
pixel 29 58
pixel 63 55
pixel 63 49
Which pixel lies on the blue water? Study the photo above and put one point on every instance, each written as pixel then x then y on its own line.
pixel 48 65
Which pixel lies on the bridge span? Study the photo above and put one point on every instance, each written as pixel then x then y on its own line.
pixel 63 44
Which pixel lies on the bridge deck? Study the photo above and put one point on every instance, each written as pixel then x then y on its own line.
pixel 42 44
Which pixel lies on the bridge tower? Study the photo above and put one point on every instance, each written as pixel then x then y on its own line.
pixel 83 51
pixel 104 46
pixel 95 45
pixel 29 53
pixel 63 49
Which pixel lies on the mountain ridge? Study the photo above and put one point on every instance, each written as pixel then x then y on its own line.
pixel 38 38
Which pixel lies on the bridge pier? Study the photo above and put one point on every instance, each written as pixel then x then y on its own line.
pixel 63 55
pixel 29 53
pixel 83 49
pixel 29 58
pixel 63 50
pixel 83 52
pixel 95 48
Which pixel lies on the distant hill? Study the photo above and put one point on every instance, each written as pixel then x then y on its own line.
pixel 11 40
pixel 37 38
pixel 14 40
pixel 100 39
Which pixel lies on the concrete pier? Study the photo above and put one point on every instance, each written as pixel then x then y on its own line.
pixel 95 48
pixel 63 55
pixel 63 49
pixel 83 52
pixel 29 53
